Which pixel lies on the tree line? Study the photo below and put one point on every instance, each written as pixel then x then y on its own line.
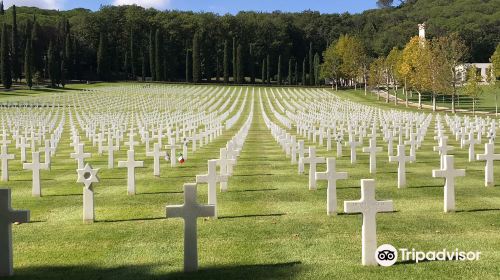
pixel 130 42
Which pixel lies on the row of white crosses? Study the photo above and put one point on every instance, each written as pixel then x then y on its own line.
pixel 191 209
pixel 368 206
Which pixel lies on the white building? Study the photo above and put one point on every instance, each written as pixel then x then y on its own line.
pixel 482 68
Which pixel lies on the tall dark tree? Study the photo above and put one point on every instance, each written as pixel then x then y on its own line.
pixel 2 9
pixel 226 62
pixel 316 69
pixel 28 63
pixel 268 70
pixel 235 68
pixel 143 65
pixel 5 59
pixel 263 71
pixel 152 60
pixel 126 65
pixel 290 72
pixel 102 59
pixel 159 56
pixel 304 76
pixel 239 62
pixel 217 67
pixel 68 55
pixel 311 64
pixel 132 54
pixel 16 63
pixel 251 63
pixel 63 73
pixel 51 64
pixel 296 78
pixel 279 70
pixel 196 59
pixel 187 78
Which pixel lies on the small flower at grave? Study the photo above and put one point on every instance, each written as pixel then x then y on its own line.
pixel 180 158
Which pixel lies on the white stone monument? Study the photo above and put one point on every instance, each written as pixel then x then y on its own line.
pixel 88 176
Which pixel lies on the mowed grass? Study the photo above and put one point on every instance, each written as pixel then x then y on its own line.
pixel 270 227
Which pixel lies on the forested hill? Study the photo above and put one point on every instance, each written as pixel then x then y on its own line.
pixel 129 37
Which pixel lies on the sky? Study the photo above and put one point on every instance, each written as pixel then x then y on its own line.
pixel 216 6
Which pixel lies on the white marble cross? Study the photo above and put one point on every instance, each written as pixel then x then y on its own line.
pixel 5 157
pixel 23 145
pixel 211 178
pixel 372 149
pixel 36 166
pixel 489 156
pixel 8 216
pixel 312 160
pixel 80 156
pixel 301 156
pixel 471 141
pixel 369 207
pixel 88 176
pixel 224 163
pixel 110 148
pixel 190 211
pixel 47 152
pixel 156 154
pixel 331 175
pixel 173 156
pixel 443 149
pixel 131 164
pixel 449 173
pixel 353 144
pixel 401 159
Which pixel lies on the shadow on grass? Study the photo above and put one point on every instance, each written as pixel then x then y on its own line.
pixel 132 220
pixel 356 214
pixel 477 210
pixel 253 216
pixel 423 187
pixel 153 193
pixel 138 272
pixel 62 195
pixel 262 190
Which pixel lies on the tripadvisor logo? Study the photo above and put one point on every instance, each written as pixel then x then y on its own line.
pixel 387 255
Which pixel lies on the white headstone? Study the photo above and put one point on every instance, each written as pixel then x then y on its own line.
pixel 369 207
pixel 8 216
pixel 88 176
pixel 331 175
pixel 190 211
pixel 131 164
pixel 449 173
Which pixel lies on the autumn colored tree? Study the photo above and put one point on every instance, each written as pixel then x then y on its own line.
pixel 472 88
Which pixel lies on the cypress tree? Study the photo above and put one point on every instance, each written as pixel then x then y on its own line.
pixel 196 59
pixel 311 70
pixel 290 74
pixel 252 65
pixel 16 64
pixel 68 55
pixel 76 60
pixel 63 73
pixel 217 68
pixel 101 59
pixel 152 67
pixel 304 76
pixel 28 63
pixel 143 65
pixel 158 56
pixel 296 78
pixel 279 70
pixel 268 70
pixel 37 49
pixel 316 69
pixel 50 64
pixel 2 9
pixel 226 62
pixel 5 59
pixel 239 60
pixel 235 69
pixel 132 54
pixel 263 71
pixel 187 65
pixel 126 65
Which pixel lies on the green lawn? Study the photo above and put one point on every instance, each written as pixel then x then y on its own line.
pixel 271 226
pixel 486 102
